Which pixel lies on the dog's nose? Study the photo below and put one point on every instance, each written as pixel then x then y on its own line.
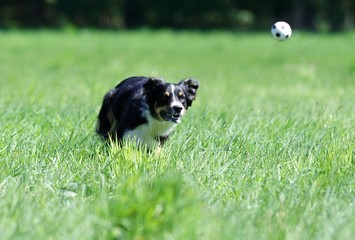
pixel 177 109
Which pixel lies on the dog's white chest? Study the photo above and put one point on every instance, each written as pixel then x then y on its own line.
pixel 148 133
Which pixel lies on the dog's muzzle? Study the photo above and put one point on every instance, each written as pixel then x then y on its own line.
pixel 173 114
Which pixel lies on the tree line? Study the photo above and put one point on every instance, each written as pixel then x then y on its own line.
pixel 314 15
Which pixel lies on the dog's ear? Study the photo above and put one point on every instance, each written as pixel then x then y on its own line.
pixel 152 84
pixel 190 87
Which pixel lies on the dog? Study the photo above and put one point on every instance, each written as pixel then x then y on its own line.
pixel 145 110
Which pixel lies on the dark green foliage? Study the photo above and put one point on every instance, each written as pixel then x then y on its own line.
pixel 322 15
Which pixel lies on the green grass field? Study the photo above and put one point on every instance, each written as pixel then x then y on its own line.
pixel 266 151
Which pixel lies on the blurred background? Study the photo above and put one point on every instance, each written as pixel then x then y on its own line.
pixel 309 15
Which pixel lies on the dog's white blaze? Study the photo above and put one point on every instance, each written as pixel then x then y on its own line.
pixel 147 133
pixel 176 102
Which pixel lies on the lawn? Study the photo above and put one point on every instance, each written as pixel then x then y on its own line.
pixel 266 151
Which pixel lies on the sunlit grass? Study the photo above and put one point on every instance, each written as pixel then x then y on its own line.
pixel 266 151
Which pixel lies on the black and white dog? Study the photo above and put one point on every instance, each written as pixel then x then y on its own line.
pixel 144 109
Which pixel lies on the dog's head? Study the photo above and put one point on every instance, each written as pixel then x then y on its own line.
pixel 168 101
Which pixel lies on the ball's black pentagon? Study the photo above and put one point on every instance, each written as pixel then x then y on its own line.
pixel 278 35
pixel 287 36
pixel 273 27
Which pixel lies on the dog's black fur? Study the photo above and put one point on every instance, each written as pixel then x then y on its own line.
pixel 144 109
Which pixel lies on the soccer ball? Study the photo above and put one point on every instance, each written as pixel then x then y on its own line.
pixel 281 31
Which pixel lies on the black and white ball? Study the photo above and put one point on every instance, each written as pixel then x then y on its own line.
pixel 281 31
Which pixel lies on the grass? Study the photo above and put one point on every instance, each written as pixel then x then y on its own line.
pixel 266 151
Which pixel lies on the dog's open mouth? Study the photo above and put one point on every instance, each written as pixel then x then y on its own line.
pixel 170 116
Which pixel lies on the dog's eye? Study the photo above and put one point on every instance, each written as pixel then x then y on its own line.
pixel 181 95
pixel 166 95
